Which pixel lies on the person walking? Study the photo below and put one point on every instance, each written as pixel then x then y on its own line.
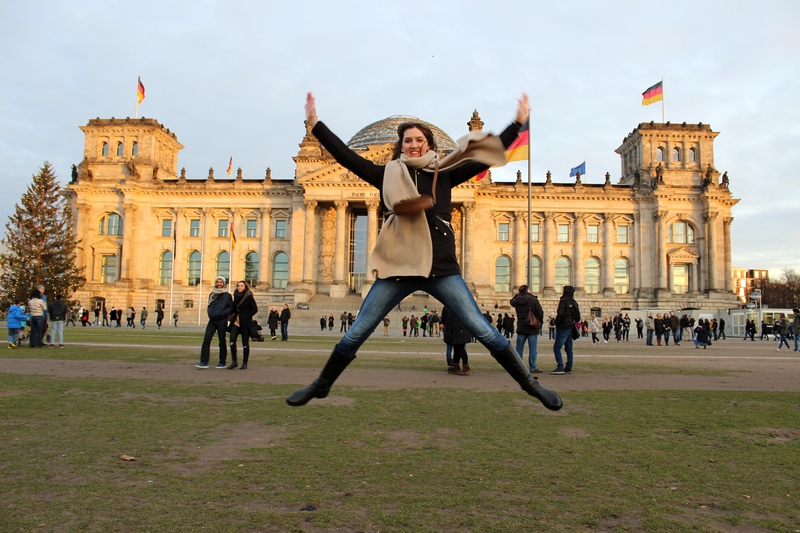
pixel 415 248
pixel 159 316
pixel 286 314
pixel 143 317
pixel 523 303
pixel 456 337
pixel 175 318
pixel 220 305
pixel 796 327
pixel 594 327
pixel 272 322
pixel 721 329
pixel 106 323
pixel 57 310
pixel 245 308
pixel 567 314
pixel 781 326
pixel 650 325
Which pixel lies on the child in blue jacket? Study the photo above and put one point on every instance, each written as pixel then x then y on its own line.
pixel 15 319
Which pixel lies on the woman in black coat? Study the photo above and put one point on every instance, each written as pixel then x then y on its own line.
pixel 245 304
pixel 456 336
pixel 272 322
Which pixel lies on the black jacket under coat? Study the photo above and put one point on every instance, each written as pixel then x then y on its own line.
pixel 568 312
pixel 220 307
pixel 455 332
pixel 522 303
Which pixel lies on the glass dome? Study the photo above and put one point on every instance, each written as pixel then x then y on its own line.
pixel 385 131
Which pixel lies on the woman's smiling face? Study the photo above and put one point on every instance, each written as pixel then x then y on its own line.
pixel 414 143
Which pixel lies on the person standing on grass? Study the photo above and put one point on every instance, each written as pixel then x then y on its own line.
pixel 524 302
pixel 405 325
pixel 331 321
pixel 415 249
pixel 386 322
pixel 36 310
pixel 15 317
pixel 143 317
pixel 286 314
pixel 796 327
pixel 272 322
pixel 57 310
pixel 220 305
pixel 343 320
pixel 105 317
pixel 567 314
pixel 322 323
pixel 245 307
pixel 455 337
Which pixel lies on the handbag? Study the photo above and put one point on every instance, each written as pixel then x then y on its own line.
pixel 532 320
pixel 575 333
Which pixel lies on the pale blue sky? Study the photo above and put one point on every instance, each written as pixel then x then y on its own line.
pixel 229 78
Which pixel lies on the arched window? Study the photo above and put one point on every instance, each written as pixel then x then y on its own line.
pixel 280 270
pixel 659 154
pixel 223 265
pixel 251 264
pixel 502 274
pixel 120 149
pixel 680 233
pixel 193 270
pixel 135 149
pixel 622 276
pixel 104 150
pixel 676 155
pixel 591 278
pixel 692 155
pixel 563 273
pixel 165 268
pixel 110 224
pixel 535 264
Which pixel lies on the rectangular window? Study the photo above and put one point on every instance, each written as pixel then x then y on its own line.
pixel 622 234
pixel 535 232
pixel 194 227
pixel 502 231
pixel 593 233
pixel 680 279
pixel 222 229
pixel 108 268
pixel 252 227
pixel 166 227
pixel 280 229
pixel 563 233
pixel 188 304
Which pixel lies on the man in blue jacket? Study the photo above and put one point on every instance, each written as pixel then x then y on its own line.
pixel 220 305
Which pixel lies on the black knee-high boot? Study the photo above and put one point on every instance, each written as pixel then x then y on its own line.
pixel 512 363
pixel 233 357
pixel 320 387
pixel 245 357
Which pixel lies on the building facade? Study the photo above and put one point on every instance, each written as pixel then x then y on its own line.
pixel 659 237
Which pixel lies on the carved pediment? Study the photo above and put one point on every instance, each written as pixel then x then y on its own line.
pixel 683 255
pixel 336 173
pixel 106 246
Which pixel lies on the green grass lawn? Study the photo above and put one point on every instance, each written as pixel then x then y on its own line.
pixel 233 457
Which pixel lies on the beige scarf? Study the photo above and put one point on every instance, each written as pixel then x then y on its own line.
pixel 404 246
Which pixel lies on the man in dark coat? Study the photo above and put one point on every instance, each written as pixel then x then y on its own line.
pixel 523 302
pixel 286 314
pixel 220 305
pixel 456 336
pixel 567 315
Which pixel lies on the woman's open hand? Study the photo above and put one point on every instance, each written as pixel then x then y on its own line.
pixel 523 110
pixel 311 110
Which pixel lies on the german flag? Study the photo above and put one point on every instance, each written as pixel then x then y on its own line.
pixel 140 91
pixel 230 166
pixel 518 151
pixel 233 237
pixel 653 94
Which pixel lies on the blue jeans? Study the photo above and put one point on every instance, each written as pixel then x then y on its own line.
pixel 37 329
pixel 57 335
pixel 650 334
pixel 532 341
pixel 13 334
pixel 796 339
pixel 385 294
pixel 284 331
pixel 219 327
pixel 784 341
pixel 563 338
pixel 676 335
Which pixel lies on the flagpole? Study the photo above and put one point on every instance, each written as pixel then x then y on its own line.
pixel 663 104
pixel 172 275
pixel 230 256
pixel 528 229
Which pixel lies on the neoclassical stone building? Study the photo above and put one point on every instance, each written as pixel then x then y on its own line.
pixel 659 237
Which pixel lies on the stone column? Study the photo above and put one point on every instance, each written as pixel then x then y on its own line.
pixel 341 243
pixel 636 268
pixel 372 233
pixel 520 249
pixel 579 279
pixel 661 253
pixel 128 242
pixel 469 245
pixel 81 232
pixel 726 229
pixel 712 259
pixel 237 267
pixel 308 259
pixel 608 255
pixel 263 251
pixel 209 233
pixel 548 265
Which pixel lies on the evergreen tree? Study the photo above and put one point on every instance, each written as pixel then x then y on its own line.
pixel 40 243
